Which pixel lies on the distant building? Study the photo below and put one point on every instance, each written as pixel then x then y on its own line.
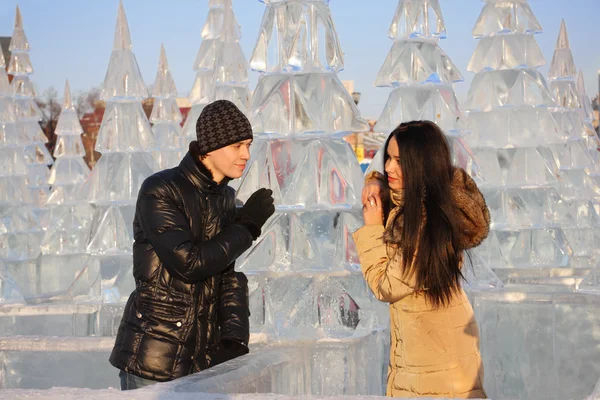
pixel 4 44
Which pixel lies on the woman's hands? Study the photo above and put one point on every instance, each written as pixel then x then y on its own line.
pixel 372 206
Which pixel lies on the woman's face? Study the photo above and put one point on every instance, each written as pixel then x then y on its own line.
pixel 392 166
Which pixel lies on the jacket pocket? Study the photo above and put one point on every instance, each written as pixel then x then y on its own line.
pixel 163 319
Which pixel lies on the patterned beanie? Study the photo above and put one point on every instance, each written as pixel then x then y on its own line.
pixel 221 124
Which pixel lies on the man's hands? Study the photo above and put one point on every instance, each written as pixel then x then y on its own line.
pixel 256 211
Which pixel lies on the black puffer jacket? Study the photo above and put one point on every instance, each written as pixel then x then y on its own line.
pixel 188 297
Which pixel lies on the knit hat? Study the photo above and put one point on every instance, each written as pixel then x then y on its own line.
pixel 221 124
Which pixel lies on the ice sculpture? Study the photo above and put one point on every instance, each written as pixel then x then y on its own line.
pixel 63 271
pixel 303 270
pixel 37 156
pixel 166 118
pixel 522 145
pixel 421 76
pixel 126 142
pixel 577 157
pixel 20 230
pixel 221 67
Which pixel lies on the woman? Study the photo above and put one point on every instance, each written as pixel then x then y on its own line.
pixel 411 251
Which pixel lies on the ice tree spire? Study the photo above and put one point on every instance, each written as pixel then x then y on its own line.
pixel 166 117
pixel 415 18
pixel 221 67
pixel 304 268
pixel 123 77
pixel 563 65
pixel 36 154
pixel 126 141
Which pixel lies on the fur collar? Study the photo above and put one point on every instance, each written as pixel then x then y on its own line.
pixel 473 213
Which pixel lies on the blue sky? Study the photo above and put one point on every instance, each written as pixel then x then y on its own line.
pixel 72 39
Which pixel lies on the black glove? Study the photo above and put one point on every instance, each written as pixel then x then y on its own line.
pixel 227 350
pixel 256 211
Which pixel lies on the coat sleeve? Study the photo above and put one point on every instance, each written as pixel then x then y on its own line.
pixel 384 278
pixel 233 307
pixel 168 231
pixel 473 213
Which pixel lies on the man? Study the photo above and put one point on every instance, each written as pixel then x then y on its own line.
pixel 189 310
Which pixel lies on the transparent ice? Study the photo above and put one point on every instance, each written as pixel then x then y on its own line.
pixel 220 65
pixel 37 156
pixel 166 118
pixel 126 141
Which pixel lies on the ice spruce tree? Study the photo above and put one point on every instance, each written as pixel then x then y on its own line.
pixel 304 275
pixel 576 157
pixel 25 159
pixel 126 142
pixel 64 273
pixel 166 118
pixel 28 115
pixel 421 76
pixel 221 67
pixel 20 235
pixel 515 137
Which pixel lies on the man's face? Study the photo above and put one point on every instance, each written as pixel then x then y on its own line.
pixel 229 161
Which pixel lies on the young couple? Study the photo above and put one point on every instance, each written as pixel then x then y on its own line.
pixel 189 310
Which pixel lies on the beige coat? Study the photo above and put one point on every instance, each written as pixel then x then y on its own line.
pixel 433 353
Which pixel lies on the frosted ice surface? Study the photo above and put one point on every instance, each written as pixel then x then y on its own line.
pixel 315 174
pixel 123 78
pixel 9 290
pixel 309 241
pixel 317 104
pixel 422 18
pixel 506 52
pixel 22 86
pixel 18 42
pixel 237 94
pixel 437 103
pixel 540 248
pixel 417 61
pixel 512 16
pixel 69 145
pixel 68 229
pixel 202 90
pixel 565 93
pixel 166 118
pixel 217 24
pixel 164 85
pixel 20 64
pixel 297 36
pixel 514 127
pixel 491 89
pixel 112 229
pixel 118 177
pixel 562 65
pixel 586 111
pixel 125 127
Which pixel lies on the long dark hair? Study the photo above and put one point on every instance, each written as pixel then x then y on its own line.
pixel 430 250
